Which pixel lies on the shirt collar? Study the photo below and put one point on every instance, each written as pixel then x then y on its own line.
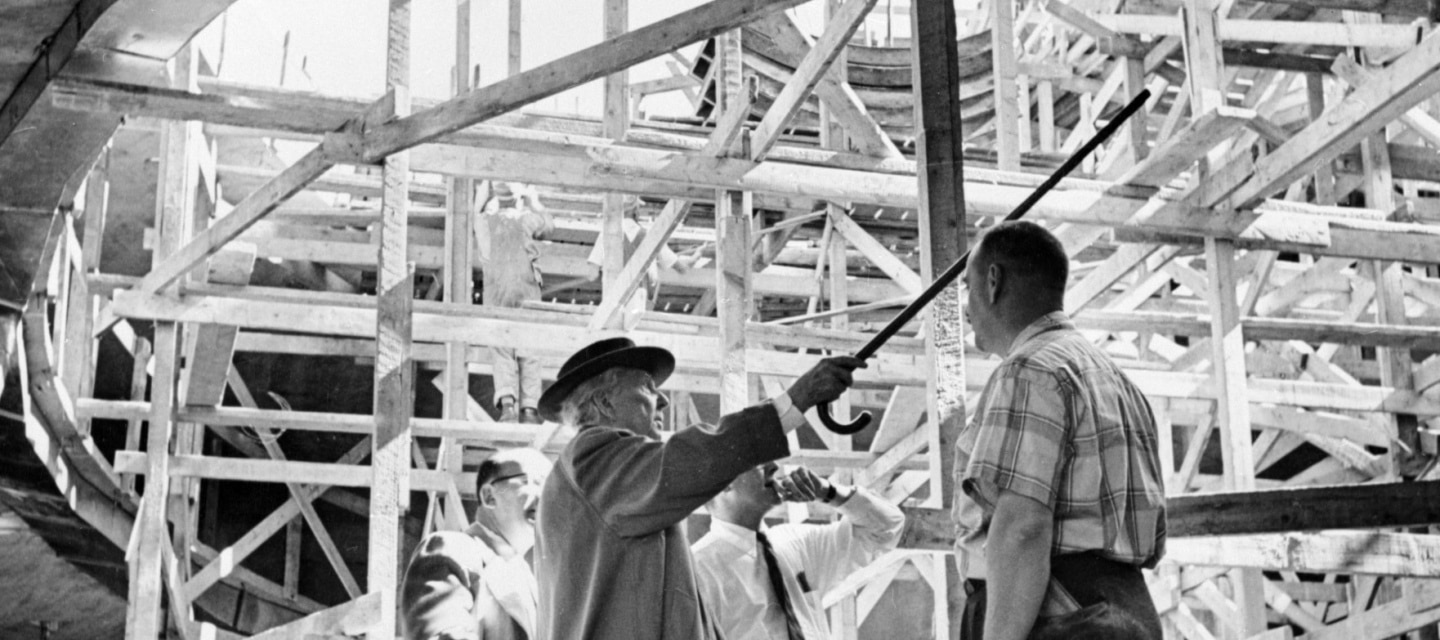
pixel 734 535
pixel 1052 320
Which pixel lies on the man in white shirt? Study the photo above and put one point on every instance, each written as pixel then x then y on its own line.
pixel 736 574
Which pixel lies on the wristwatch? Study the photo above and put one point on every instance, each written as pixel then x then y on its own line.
pixel 834 497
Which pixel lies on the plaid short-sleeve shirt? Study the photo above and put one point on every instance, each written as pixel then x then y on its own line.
pixel 1060 423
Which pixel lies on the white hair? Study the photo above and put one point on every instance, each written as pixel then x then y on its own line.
pixel 590 403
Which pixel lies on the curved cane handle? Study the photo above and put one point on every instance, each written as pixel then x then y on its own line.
pixel 861 421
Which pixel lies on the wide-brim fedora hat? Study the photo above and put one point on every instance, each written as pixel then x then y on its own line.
pixel 594 359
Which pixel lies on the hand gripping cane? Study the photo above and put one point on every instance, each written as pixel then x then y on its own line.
pixel 954 271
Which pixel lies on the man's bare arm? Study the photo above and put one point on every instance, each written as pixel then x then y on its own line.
pixel 1017 565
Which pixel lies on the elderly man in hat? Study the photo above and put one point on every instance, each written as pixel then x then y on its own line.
pixel 612 558
pixel 478 583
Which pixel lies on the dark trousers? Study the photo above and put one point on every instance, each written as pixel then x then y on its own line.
pixel 1115 603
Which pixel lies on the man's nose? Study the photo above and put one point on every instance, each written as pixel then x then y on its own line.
pixel 661 401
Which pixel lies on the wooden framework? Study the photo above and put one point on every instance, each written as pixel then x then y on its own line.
pixel 1260 253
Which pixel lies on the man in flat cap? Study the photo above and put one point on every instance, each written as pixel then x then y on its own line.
pixel 612 558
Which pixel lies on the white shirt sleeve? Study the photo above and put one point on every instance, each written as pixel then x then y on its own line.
pixel 869 527
pixel 791 417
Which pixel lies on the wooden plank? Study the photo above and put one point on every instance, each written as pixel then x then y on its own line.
pixel 143 618
pixel 250 210
pixel 834 93
pixel 1408 80
pixel 1181 150
pixel 570 71
pixel 732 296
pixel 394 328
pixel 808 73
pixel 941 209
pixel 263 530
pixel 1005 72
pixel 1106 40
pixel 209 347
pixel 1368 553
pixel 485 326
pixel 629 279
pixel 902 415
pixel 359 616
pixel 1391 504
pixel 1272 31
pixel 1104 276
pixel 877 253
pixel 269 440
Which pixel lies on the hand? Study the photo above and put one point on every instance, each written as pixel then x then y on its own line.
pixel 824 382
pixel 800 485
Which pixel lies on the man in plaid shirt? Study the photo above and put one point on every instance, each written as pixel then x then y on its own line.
pixel 1060 469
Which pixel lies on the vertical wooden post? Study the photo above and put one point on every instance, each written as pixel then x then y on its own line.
pixel 291 584
pixel 1325 173
pixel 390 453
pixel 1396 366
pixel 1045 105
pixel 616 121
pixel 732 295
pixel 1232 407
pixel 1007 102
pixel 935 60
pixel 143 619
pixel 512 58
pixel 1134 84
pixel 732 233
pixel 1202 55
pixel 172 217
pixel 832 136
pixel 459 273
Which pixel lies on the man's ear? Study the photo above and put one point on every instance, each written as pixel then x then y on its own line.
pixel 486 496
pixel 994 282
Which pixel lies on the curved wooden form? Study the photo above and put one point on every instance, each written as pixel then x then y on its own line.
pixel 92 488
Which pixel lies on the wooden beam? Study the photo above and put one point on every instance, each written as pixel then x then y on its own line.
pixel 1370 506
pixel 486 326
pixel 1106 40
pixel 1188 145
pixel 394 393
pixel 1422 123
pixel 629 279
pixel 359 616
pixel 262 531
pixel 1399 87
pixel 1272 31
pixel 1005 72
pixel 808 73
pixel 570 71
pixel 877 253
pixel 143 619
pixel 270 441
pixel 834 93
pixel 1366 553
pixel 732 296
pixel 941 208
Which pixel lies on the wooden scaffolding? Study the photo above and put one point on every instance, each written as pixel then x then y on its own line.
pixel 1259 250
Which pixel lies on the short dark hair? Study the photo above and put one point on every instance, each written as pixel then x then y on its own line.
pixel 504 463
pixel 1027 249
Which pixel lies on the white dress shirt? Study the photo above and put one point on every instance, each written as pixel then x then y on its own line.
pixel 813 558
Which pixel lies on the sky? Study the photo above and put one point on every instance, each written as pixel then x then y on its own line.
pixel 341 44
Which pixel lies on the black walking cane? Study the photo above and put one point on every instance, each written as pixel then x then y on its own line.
pixel 954 271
